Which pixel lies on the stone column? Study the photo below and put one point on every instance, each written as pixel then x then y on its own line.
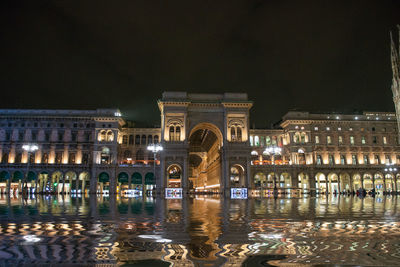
pixel 185 175
pixel 93 182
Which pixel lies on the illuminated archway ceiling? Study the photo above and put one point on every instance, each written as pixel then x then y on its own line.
pixel 194 160
pixel 203 139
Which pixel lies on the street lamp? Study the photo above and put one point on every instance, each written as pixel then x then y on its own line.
pixel 154 148
pixel 391 170
pixel 273 151
pixel 28 148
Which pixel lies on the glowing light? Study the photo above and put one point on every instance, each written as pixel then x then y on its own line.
pixel 156 238
pixel 31 238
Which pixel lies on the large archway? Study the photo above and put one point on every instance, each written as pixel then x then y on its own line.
pixel 205 142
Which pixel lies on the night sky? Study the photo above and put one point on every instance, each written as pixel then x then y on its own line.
pixel 328 56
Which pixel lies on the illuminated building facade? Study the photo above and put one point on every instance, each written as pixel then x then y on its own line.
pixel 207 146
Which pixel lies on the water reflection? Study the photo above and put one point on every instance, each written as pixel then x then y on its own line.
pixel 199 231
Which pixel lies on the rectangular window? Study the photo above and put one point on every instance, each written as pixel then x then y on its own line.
pixel 398 159
pixel 58 157
pixel 340 140
pixel 60 137
pixel 352 140
pixel 342 160
pixel 331 160
pixel 268 141
pixel 317 139
pixel 384 139
pixel 329 140
pixel 363 140
pixel 319 159
pixel 388 159
pixel 354 159
pixel 21 136
pixel 374 139
pixel 377 159
pixel 34 136
pixel 366 161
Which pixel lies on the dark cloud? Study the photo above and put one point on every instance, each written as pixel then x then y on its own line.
pixel 310 55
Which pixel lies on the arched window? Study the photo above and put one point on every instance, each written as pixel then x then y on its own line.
pixel 110 136
pixel 143 141
pixel 150 139
pixel 137 139
pixel 171 133
pixel 239 133
pixel 236 133
pixel 125 139
pixel 131 139
pixel 156 139
pixel 102 136
pixel 233 134
pixel 177 133
pixel 303 138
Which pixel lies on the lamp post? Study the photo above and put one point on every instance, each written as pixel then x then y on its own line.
pixel 28 148
pixel 273 151
pixel 154 148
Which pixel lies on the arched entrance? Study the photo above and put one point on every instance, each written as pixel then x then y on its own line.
pixel 4 179
pixel 333 183
pixel 123 182
pixel 320 184
pixel 344 182
pixel 304 183
pixel 285 182
pixel 205 143
pixel 16 182
pixel 83 183
pixel 103 185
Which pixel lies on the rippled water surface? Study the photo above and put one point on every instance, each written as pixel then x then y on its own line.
pixel 202 231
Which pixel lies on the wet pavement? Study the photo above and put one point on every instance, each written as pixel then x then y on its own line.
pixel 199 231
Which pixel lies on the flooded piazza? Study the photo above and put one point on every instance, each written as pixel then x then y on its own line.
pixel 199 231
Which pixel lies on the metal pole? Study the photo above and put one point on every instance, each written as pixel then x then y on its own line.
pixel 27 172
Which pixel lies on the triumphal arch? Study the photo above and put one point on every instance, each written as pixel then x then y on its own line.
pixel 206 141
